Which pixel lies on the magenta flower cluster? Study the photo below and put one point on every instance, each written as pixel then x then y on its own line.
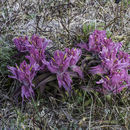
pixel 113 69
pixel 63 64
pixel 115 63
pixel 24 74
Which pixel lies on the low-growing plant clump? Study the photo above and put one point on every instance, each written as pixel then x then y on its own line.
pixel 62 65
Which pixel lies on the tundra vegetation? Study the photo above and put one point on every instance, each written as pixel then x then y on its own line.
pixel 64 64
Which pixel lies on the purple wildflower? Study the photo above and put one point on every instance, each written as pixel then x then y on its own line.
pixel 24 44
pixel 62 63
pixel 113 58
pixel 114 62
pixel 37 51
pixel 38 42
pixel 37 57
pixel 124 59
pixel 115 82
pixel 24 74
pixel 75 55
pixel 59 65
pixel 21 43
pixel 113 70
pixel 95 41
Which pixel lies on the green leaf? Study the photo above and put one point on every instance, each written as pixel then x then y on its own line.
pixel 84 28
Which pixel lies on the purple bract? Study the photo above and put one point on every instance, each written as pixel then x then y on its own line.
pixel 22 43
pixel 60 64
pixel 24 74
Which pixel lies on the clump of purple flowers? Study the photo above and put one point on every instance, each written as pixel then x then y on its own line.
pixel 113 68
pixel 114 62
pixel 35 46
pixel 63 64
pixel 24 74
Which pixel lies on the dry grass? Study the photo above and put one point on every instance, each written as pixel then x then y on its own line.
pixel 64 22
